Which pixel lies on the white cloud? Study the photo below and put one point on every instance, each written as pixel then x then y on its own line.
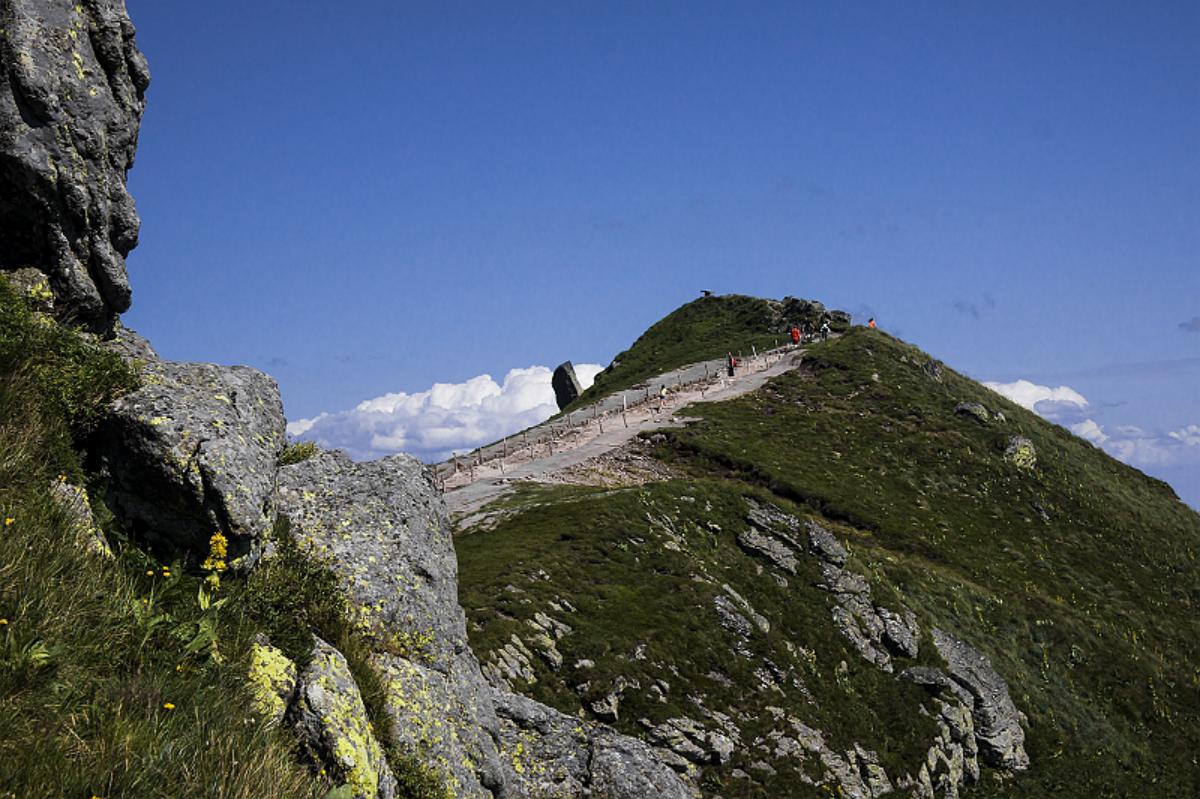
pixel 1040 398
pixel 1189 436
pixel 1127 443
pixel 1090 431
pixel 432 424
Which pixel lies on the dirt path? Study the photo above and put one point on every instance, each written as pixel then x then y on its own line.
pixel 588 432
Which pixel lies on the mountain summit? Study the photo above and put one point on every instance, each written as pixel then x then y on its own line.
pixel 871 576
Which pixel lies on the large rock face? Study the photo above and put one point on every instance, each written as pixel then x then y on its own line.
pixel 72 92
pixel 193 452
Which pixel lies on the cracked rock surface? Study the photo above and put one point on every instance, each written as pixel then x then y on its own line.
pixel 551 754
pixel 194 451
pixel 383 529
pixel 72 93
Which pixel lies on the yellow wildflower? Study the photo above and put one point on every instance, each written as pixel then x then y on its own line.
pixel 168 705
pixel 150 573
pixel 62 478
pixel 218 548
pixel 3 622
pixel 9 521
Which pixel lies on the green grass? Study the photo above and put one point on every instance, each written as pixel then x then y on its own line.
pixel 1078 578
pixel 98 693
pixel 607 553
pixel 701 330
pixel 1089 611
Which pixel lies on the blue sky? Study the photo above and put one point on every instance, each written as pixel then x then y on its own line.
pixel 368 198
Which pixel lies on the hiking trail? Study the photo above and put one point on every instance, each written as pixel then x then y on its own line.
pixel 471 481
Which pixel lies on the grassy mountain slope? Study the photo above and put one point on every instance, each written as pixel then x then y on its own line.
pixel 1078 578
pixel 703 329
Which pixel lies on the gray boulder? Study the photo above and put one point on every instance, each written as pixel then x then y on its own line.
pixel 331 721
pixel 72 92
pixel 128 343
pixel 550 754
pixel 975 410
pixel 566 384
pixel 383 529
pixel 193 452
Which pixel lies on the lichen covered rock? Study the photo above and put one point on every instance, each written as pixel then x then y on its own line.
pixel 331 720
pixel 997 720
pixel 383 529
pixel 1021 453
pixel 273 680
pixel 193 452
pixel 72 92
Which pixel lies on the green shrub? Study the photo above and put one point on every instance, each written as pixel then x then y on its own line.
pixel 74 379
pixel 291 595
pixel 295 453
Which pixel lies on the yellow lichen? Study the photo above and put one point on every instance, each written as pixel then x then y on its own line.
pixel 272 677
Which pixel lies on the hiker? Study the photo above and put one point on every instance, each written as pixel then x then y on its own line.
pixel 871 323
pixel 795 336
pixel 729 363
pixel 825 331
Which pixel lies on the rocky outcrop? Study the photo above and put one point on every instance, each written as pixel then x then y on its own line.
pixel 976 410
pixel 331 721
pixel 193 451
pixel 549 754
pixel 383 529
pixel 975 715
pixel 72 92
pixel 565 384
pixel 997 720
pixel 878 633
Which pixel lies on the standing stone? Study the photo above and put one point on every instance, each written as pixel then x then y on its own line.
pixel 566 384
pixel 72 92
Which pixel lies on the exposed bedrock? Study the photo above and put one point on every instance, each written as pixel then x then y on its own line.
pixel 72 92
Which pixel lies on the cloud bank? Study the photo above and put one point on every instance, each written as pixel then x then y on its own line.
pixel 447 417
pixel 1127 443
pixel 1191 326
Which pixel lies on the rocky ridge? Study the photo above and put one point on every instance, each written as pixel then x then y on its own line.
pixel 195 449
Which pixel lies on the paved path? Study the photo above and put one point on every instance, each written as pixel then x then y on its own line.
pixel 562 442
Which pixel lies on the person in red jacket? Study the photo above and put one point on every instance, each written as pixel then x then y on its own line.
pixel 795 335
pixel 871 323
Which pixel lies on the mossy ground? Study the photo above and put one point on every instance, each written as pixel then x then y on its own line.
pixel 1078 578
